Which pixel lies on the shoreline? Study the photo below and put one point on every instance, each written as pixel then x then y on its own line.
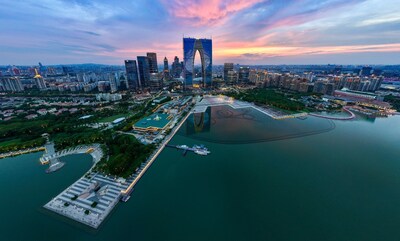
pixel 95 218
pixel 21 152
pixel 154 156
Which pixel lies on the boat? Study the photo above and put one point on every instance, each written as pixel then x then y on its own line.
pixel 55 166
pixel 201 152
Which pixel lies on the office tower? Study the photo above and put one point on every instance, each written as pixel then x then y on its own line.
pixel 176 68
pixel 232 77
pixel 152 59
pixel 244 72
pixel 11 84
pixel 144 72
pixel 155 81
pixel 166 69
pixel 113 82
pixel 190 47
pixel 39 81
pixel 253 76
pixel 132 79
pixel 227 67
pixel 42 69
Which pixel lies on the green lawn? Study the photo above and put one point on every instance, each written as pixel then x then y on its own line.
pixel 10 142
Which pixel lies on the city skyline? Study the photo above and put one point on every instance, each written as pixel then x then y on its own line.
pixel 245 32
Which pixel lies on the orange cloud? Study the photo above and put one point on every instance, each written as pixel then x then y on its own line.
pixel 282 51
pixel 206 12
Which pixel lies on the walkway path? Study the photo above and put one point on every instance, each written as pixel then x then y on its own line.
pixel 352 115
pixel 94 150
pixel 154 156
pixel 20 152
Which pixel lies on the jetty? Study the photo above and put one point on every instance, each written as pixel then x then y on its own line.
pixel 200 150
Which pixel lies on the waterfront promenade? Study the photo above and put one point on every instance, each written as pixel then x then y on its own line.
pixel 94 150
pixel 352 115
pixel 20 152
pixel 76 201
pixel 91 207
pixel 153 157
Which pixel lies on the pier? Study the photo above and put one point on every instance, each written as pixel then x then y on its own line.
pixel 78 201
pixel 90 199
pixel 194 149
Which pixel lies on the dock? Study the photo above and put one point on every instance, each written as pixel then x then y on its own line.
pixel 200 150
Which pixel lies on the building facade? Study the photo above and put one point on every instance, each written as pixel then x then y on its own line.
pixel 132 79
pixel 176 69
pixel 153 66
pixel 244 74
pixel 144 71
pixel 227 67
pixel 204 47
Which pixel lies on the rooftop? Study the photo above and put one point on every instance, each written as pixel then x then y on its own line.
pixel 153 121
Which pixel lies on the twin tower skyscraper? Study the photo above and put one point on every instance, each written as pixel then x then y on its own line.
pixel 144 74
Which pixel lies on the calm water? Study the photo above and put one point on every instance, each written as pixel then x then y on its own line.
pixel 310 179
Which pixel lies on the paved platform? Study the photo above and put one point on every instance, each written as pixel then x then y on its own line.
pixel 105 199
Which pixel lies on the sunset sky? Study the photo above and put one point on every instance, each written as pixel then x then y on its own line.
pixel 243 31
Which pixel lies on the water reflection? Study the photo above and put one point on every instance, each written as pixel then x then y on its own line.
pixel 223 124
pixel 199 122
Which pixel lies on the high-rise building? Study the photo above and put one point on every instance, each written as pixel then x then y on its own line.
pixel 244 72
pixel 42 69
pixel 155 81
pixel 132 79
pixel 176 69
pixel 227 67
pixel 11 84
pixel 39 81
pixel 232 77
pixel 166 68
pixel 204 47
pixel 153 66
pixel 113 82
pixel 144 71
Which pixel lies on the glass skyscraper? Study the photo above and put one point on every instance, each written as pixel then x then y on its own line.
pixel 131 75
pixel 144 71
pixel 153 66
pixel 204 47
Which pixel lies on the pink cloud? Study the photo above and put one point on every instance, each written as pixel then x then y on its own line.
pixel 206 12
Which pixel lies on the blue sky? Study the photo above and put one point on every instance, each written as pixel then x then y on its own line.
pixel 243 31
